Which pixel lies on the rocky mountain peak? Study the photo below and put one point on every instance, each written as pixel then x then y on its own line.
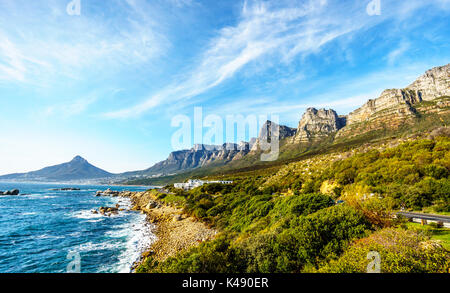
pixel 265 133
pixel 316 124
pixel 78 159
pixel 284 131
pixel 433 84
pixel 396 105
pixel 77 169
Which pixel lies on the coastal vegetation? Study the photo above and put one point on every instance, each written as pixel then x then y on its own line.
pixel 323 214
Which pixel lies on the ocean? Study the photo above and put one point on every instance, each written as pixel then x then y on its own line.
pixel 51 231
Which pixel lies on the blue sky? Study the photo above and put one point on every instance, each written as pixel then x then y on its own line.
pixel 107 83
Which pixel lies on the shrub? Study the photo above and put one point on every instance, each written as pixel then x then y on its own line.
pixel 401 251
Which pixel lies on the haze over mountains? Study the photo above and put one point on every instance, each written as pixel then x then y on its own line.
pixel 428 95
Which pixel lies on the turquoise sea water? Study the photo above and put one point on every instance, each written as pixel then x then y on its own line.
pixel 45 230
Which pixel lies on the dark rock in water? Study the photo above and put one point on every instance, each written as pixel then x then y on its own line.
pixel 11 192
pixel 108 192
pixel 66 189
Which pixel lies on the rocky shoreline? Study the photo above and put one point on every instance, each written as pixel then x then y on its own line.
pixel 175 231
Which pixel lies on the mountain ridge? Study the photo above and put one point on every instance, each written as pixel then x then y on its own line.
pixel 76 169
pixel 391 110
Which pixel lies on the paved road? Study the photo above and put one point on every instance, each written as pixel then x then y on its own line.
pixel 437 218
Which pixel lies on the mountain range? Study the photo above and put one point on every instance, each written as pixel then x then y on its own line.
pixel 426 99
pixel 429 95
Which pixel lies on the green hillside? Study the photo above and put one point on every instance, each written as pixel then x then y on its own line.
pixel 324 213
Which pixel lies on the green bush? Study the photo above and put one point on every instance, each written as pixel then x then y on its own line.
pixel 401 251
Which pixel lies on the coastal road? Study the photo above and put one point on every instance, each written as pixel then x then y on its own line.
pixel 428 217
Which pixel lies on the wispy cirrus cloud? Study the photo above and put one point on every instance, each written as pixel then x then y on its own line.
pixel 41 43
pixel 264 30
pixel 403 47
pixel 272 34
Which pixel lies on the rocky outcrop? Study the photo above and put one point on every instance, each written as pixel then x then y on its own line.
pixel 10 192
pixel 433 84
pixel 391 101
pixel 396 107
pixel 108 211
pixel 108 192
pixel 316 124
pixel 266 134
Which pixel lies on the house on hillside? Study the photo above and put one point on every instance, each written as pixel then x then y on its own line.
pixel 194 183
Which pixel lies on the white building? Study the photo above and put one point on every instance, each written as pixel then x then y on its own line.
pixel 191 184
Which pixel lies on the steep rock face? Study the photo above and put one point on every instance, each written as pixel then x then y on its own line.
pixel 393 101
pixel 395 107
pixel 316 124
pixel 265 135
pixel 433 84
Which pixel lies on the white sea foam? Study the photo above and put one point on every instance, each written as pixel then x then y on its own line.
pixel 37 196
pixel 28 214
pixel 131 238
pixel 139 238
pixel 95 221
pixel 46 236
pixel 85 214
pixel 89 246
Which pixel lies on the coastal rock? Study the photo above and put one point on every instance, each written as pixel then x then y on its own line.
pixel 66 189
pixel 107 192
pixel 151 205
pixel 11 192
pixel 108 211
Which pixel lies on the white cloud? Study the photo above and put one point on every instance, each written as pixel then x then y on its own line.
pixel 398 52
pixel 264 31
pixel 41 44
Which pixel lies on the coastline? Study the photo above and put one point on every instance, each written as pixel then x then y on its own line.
pixel 175 231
